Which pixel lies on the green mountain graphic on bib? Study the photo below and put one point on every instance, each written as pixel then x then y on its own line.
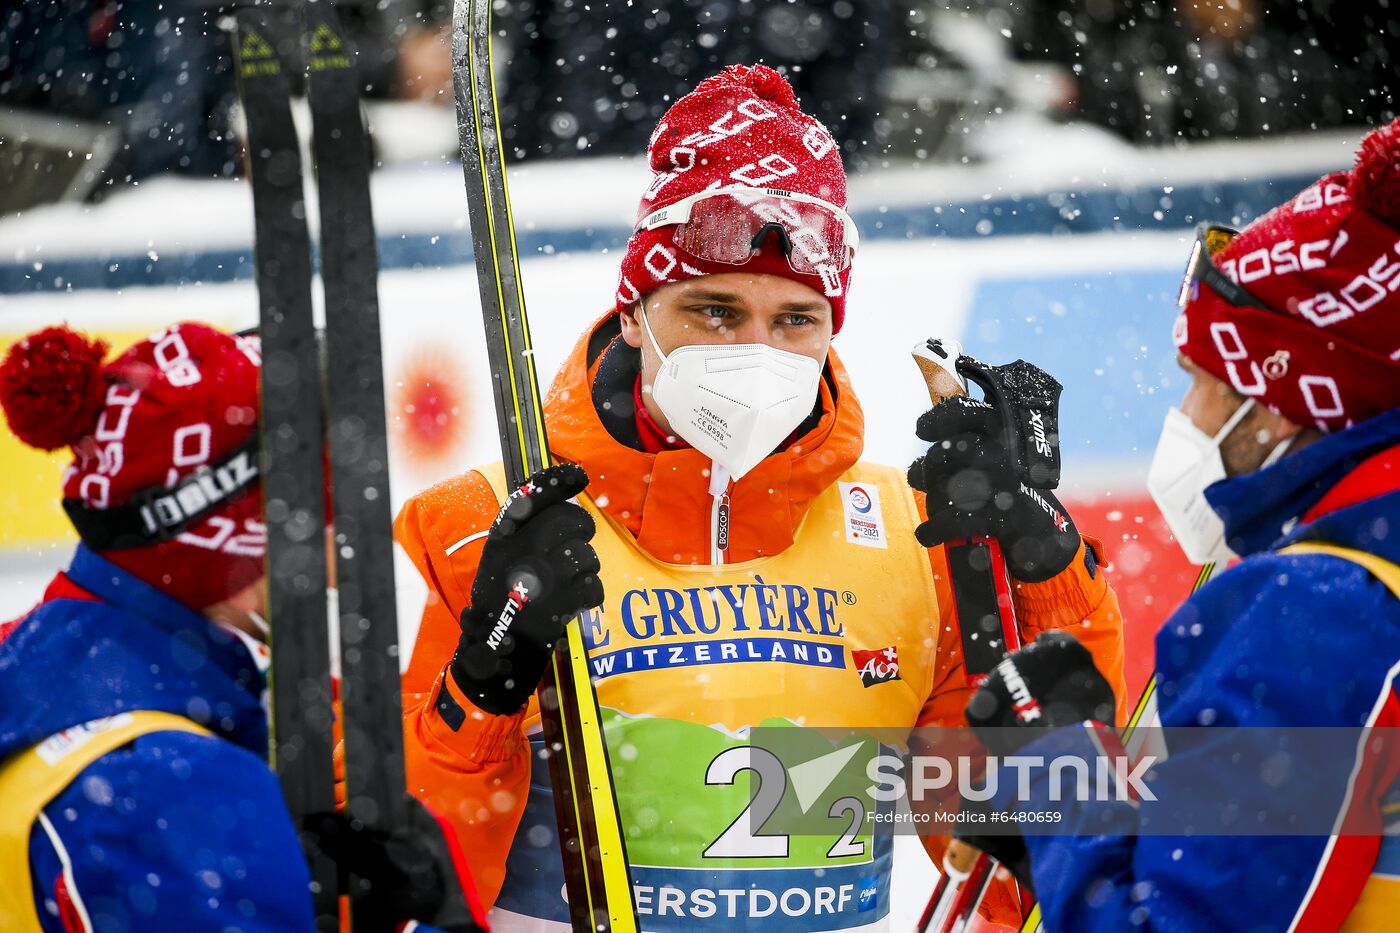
pixel 695 796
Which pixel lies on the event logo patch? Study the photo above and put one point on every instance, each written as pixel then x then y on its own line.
pixel 865 523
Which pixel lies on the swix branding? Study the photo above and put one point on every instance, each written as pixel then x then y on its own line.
pixel 1037 426
pixel 515 600
pixel 1026 707
pixel 876 667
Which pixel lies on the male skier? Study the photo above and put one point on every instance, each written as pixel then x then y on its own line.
pixel 735 562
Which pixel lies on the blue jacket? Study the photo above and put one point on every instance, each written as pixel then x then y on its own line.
pixel 1278 640
pixel 175 831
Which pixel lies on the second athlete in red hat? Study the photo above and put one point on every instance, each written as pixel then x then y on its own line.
pixel 1271 789
pixel 133 721
pixel 736 562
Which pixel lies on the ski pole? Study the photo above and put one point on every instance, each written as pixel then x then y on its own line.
pixel 982 598
pixel 592 842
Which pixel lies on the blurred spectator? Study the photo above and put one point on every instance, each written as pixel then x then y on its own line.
pixel 405 47
pixel 595 77
pixel 423 68
pixel 162 74
pixel 1160 70
pixel 422 56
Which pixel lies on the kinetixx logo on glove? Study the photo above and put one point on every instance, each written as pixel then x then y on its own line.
pixel 1024 703
pixel 519 595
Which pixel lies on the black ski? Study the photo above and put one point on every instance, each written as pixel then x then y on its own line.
pixel 590 829
pixel 356 432
pixel 296 435
pixel 292 438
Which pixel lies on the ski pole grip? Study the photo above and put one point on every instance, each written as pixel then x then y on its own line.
pixel 960 858
pixel 937 359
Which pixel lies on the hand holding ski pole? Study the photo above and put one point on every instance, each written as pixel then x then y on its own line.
pixel 1049 683
pixel 981 590
pixel 537 572
pixel 984 476
pixel 415 872
pixel 1045 685
pixel 991 465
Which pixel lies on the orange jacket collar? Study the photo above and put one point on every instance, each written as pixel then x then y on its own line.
pixel 664 499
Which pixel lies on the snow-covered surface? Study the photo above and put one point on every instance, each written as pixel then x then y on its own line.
pixel 1026 154
pixel 173 215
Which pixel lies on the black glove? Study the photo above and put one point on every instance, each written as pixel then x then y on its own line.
pixel 972 487
pixel 537 572
pixel 1050 683
pixel 1008 847
pixel 406 875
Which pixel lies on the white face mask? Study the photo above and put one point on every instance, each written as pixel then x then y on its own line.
pixel 735 403
pixel 1186 462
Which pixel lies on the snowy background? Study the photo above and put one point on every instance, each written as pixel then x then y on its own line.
pixel 1067 251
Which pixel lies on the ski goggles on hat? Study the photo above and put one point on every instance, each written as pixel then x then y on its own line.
pixel 1210 240
pixel 730 225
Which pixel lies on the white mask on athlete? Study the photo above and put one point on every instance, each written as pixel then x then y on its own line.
pixel 735 403
pixel 1186 462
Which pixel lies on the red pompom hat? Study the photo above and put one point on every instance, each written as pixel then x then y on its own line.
pixel 740 127
pixel 184 398
pixel 1326 352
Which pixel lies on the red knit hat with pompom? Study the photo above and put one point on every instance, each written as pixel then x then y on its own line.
pixel 1326 352
pixel 184 398
pixel 740 127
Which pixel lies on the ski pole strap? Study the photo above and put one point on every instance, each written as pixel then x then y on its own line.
pixel 158 513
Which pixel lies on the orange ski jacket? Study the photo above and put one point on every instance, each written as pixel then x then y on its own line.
pixel 654 514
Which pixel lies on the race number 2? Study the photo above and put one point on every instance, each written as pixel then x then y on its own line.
pixel 744 837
